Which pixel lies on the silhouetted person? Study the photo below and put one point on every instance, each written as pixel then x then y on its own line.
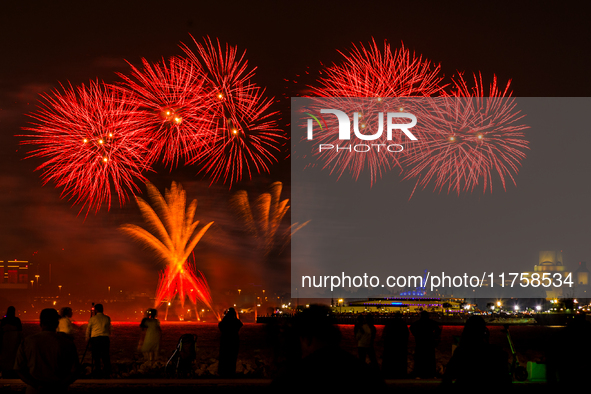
pixel 65 324
pixel 187 354
pixel 279 334
pixel 427 334
pixel 568 362
pixel 358 327
pixel 476 361
pixel 324 366
pixel 369 350
pixel 229 343
pixel 47 362
pixel 395 358
pixel 285 344
pixel 151 333
pixel 98 332
pixel 362 336
pixel 11 335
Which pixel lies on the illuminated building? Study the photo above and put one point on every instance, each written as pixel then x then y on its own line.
pixel 14 274
pixel 401 304
pixel 552 263
pixel 409 300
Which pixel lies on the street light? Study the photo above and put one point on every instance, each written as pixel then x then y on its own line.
pixel 37 277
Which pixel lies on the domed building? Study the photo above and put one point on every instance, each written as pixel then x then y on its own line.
pixel 551 262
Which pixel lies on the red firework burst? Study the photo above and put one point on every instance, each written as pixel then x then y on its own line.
pixel 245 132
pixel 371 72
pixel 172 107
pixel 369 118
pixel 381 75
pixel 468 137
pixel 92 141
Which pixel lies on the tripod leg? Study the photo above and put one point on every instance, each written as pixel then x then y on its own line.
pixel 85 350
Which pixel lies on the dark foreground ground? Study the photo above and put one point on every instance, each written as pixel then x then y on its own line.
pixel 255 355
pixel 256 367
pixel 149 386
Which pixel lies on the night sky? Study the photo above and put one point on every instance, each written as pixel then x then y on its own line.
pixel 543 50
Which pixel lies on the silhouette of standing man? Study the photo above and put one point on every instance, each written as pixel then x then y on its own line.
pixel 229 342
pixel 395 336
pixel 11 336
pixel 98 332
pixel 427 334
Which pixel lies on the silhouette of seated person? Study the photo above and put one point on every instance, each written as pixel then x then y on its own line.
pixel 568 361
pixel 47 361
pixel 475 362
pixel 324 365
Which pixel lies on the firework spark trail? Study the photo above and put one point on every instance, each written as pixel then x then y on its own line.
pixel 371 72
pixel 376 74
pixel 246 135
pixel 264 220
pixel 469 138
pixel 172 106
pixel 379 160
pixel 201 108
pixel 192 280
pixel 462 143
pixel 173 238
pixel 93 143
